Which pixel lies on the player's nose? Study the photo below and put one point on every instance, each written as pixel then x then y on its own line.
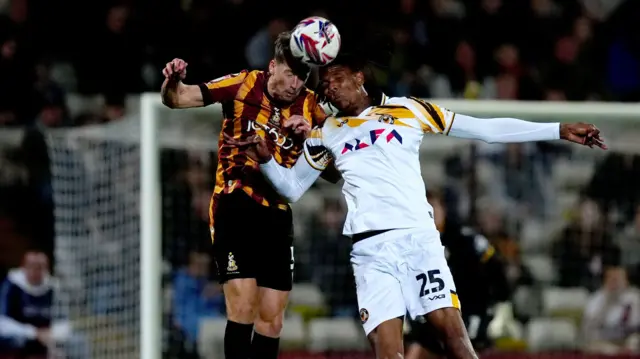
pixel 297 82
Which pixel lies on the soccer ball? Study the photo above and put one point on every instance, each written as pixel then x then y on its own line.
pixel 315 41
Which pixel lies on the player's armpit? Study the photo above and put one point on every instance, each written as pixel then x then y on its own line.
pixel 224 88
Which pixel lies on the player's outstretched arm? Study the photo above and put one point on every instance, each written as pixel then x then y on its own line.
pixel 176 94
pixel 511 130
pixel 290 183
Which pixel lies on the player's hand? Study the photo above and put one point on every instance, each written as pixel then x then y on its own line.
pixel 582 133
pixel 257 148
pixel 176 69
pixel 299 125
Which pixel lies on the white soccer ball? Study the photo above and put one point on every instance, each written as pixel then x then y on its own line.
pixel 315 41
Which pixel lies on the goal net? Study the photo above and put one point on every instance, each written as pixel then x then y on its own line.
pixel 521 196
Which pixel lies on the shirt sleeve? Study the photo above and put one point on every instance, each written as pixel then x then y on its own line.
pixel 293 182
pixel 503 130
pixel 439 120
pixel 223 88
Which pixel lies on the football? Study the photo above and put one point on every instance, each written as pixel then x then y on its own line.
pixel 315 41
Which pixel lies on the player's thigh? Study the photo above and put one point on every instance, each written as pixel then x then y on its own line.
pixel 424 341
pixel 379 296
pixel 386 339
pixel 234 242
pixel 241 299
pixel 275 257
pixel 271 306
pixel 449 327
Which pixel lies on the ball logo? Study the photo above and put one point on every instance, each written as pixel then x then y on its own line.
pixel 364 315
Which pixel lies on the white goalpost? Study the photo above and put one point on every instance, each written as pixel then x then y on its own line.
pixel 111 175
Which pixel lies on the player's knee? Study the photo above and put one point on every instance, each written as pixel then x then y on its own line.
pixel 241 300
pixel 268 324
pixel 271 312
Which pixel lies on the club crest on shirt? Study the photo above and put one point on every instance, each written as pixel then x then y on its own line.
pixel 275 117
pixel 386 118
pixel 231 265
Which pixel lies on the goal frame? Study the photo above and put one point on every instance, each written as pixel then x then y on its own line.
pixel 150 186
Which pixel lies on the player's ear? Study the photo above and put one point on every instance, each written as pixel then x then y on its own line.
pixel 272 66
pixel 359 78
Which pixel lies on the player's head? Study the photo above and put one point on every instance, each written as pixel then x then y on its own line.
pixel 348 81
pixel 288 75
pixel 343 83
pixel 36 266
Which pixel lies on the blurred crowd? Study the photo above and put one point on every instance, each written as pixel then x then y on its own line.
pixel 569 50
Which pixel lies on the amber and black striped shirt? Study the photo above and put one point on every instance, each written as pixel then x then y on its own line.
pixel 248 109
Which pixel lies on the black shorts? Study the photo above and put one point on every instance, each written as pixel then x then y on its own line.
pixel 425 335
pixel 253 241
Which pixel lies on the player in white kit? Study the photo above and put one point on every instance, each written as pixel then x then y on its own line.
pixel 397 257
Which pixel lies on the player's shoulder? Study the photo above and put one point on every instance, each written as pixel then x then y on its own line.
pixel 232 77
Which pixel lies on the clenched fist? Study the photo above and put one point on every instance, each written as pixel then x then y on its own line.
pixel 299 125
pixel 176 69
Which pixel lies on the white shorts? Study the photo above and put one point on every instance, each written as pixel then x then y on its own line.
pixel 401 271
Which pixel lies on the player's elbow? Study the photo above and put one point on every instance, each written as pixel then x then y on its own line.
pixel 168 103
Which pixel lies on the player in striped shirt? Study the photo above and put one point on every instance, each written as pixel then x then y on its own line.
pixel 397 257
pixel 251 224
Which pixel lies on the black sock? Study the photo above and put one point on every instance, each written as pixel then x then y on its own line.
pixel 264 347
pixel 237 340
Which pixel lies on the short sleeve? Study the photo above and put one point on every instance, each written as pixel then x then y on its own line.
pixel 223 88
pixel 432 118
pixel 315 152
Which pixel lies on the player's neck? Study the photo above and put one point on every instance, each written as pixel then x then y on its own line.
pixel 361 105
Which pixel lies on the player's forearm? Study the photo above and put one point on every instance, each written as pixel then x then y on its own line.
pixel 10 328
pixel 290 183
pixel 503 130
pixel 170 92
pixel 176 94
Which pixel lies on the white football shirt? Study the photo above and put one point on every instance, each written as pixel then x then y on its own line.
pixel 377 153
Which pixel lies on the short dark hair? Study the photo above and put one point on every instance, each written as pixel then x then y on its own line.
pixel 283 55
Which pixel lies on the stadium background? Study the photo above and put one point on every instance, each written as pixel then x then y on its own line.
pixel 558 214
